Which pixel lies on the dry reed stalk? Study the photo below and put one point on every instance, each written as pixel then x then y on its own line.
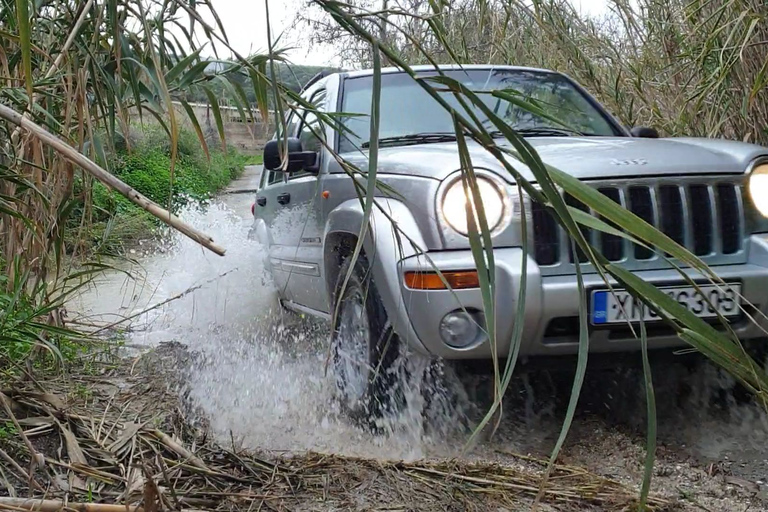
pixel 56 64
pixel 58 505
pixel 210 477
pixel 111 181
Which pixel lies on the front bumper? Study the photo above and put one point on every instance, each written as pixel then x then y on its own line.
pixel 552 303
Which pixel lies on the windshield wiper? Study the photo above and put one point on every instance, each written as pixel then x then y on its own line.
pixel 540 132
pixel 414 138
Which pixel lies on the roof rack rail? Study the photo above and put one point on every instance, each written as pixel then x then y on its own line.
pixel 322 74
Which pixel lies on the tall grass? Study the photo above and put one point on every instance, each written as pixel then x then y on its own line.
pixel 83 71
pixel 691 67
pixel 687 67
pixel 445 33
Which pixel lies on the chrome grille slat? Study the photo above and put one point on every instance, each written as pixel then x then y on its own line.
pixel 687 220
pixel 692 196
pixel 594 235
pixel 587 233
pixel 717 240
pixel 629 249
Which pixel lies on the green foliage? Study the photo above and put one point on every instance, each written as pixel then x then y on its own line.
pixel 27 306
pixel 257 159
pixel 7 431
pixel 117 223
pixel 15 340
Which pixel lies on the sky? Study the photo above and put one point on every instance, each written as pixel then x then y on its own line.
pixel 246 27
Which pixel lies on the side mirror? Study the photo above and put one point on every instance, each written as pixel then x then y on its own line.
pixel 298 159
pixel 645 132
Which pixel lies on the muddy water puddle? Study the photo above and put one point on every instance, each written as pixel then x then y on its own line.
pixel 258 377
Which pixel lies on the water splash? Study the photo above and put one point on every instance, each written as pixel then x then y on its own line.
pixel 257 375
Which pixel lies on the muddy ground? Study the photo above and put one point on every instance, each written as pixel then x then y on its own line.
pixel 217 399
pixel 125 430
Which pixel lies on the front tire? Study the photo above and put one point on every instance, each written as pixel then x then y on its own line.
pixel 365 348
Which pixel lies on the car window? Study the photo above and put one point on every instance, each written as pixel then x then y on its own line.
pixel 274 177
pixel 310 127
pixel 407 109
pixel 263 178
pixel 290 124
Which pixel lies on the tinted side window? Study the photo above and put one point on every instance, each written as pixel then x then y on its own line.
pixel 263 178
pixel 274 177
pixel 311 126
pixel 291 124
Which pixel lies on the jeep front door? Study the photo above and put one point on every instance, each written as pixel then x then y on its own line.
pixel 304 261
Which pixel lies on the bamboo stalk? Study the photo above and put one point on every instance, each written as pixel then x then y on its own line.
pixel 180 450
pixel 72 155
pixel 18 468
pixel 55 66
pixel 57 505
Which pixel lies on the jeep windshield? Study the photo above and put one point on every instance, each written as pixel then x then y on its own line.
pixel 409 115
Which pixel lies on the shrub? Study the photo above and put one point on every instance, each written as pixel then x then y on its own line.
pixel 116 222
pixel 24 317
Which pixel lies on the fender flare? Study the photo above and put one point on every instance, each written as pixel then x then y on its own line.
pixel 392 235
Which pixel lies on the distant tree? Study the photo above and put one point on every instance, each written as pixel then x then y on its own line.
pixel 294 76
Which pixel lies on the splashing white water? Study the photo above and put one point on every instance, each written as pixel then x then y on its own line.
pixel 258 373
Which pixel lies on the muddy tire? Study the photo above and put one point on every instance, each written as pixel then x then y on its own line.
pixel 365 348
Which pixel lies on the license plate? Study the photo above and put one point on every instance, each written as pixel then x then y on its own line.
pixel 620 307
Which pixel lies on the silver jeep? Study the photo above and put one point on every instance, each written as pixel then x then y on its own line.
pixel 709 195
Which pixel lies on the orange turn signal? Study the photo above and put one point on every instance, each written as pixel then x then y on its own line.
pixel 432 281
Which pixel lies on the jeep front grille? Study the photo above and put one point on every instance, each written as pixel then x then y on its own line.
pixel 706 217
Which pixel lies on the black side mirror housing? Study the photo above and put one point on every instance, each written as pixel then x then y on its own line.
pixel 298 159
pixel 645 132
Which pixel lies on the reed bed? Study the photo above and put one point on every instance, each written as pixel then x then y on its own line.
pixel 128 446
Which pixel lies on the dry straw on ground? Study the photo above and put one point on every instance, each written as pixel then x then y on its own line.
pixel 115 447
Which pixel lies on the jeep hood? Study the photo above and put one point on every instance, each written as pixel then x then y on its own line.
pixel 582 157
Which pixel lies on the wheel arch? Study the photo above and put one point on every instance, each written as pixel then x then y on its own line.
pixel 337 246
pixel 391 235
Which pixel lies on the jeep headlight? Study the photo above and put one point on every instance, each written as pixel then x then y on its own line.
pixel 493 198
pixel 758 188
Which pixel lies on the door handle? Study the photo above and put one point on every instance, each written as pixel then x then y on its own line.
pixel 284 198
pixel 261 201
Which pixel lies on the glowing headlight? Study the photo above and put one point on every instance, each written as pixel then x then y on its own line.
pixel 758 188
pixel 455 205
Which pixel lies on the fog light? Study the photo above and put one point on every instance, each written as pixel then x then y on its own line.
pixel 460 329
